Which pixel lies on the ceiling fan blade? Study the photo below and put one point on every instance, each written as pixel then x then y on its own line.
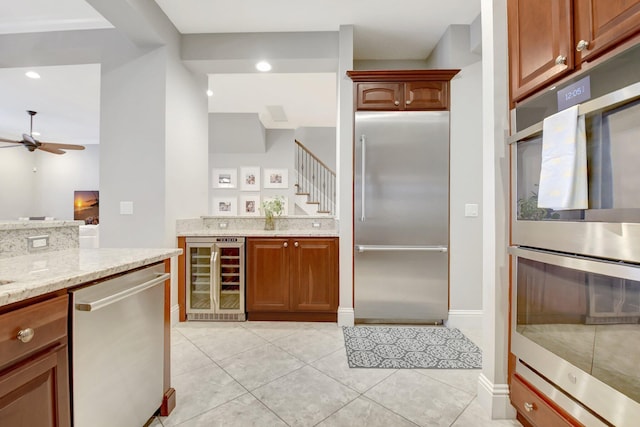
pixel 61 146
pixel 10 140
pixel 50 149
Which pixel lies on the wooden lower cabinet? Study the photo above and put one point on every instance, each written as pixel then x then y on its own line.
pixel 34 370
pixel 292 279
pixel 535 409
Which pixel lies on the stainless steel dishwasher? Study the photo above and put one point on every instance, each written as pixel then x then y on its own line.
pixel 117 344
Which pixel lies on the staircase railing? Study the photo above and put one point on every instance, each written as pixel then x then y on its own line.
pixel 315 179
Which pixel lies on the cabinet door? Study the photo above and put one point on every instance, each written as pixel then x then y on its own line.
pixel 603 24
pixel 379 96
pixel 540 43
pixel 267 265
pixel 426 95
pixel 35 393
pixel 315 265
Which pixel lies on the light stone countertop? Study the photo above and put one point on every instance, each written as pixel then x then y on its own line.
pixel 24 224
pixel 299 226
pixel 38 274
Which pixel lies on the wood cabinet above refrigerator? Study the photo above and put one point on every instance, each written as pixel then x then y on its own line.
pixel 399 90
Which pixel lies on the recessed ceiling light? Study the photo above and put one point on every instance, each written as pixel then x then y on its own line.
pixel 32 75
pixel 263 66
pixel 209 92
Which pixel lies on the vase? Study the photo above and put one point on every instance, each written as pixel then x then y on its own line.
pixel 269 223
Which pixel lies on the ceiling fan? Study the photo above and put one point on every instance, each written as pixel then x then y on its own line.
pixel 33 144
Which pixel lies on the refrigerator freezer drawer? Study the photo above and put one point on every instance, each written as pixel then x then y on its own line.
pixel 401 286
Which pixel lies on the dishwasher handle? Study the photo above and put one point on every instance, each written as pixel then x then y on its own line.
pixel 118 296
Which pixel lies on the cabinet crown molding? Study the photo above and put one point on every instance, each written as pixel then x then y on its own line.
pixel 401 75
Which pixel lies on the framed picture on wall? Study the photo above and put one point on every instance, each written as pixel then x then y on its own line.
pixel 276 178
pixel 250 205
pixel 250 178
pixel 224 178
pixel 86 206
pixel 225 206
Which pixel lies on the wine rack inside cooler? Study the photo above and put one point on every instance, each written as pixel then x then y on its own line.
pixel 200 274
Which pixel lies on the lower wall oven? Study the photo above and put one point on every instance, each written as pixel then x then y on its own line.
pixel 215 278
pixel 575 328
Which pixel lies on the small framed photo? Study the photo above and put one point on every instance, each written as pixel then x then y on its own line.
pixel 250 205
pixel 250 178
pixel 225 206
pixel 276 178
pixel 224 178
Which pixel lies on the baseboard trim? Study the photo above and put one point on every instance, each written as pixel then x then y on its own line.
pixel 346 316
pixel 175 314
pixel 494 398
pixel 464 319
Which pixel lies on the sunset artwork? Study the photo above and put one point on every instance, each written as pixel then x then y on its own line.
pixel 86 206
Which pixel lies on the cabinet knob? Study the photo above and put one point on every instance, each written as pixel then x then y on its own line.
pixel 408 101
pixel 396 103
pixel 296 244
pixel 286 244
pixel 529 407
pixel 560 60
pixel 26 335
pixel 582 45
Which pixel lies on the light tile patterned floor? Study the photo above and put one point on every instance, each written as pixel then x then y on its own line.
pixel 268 374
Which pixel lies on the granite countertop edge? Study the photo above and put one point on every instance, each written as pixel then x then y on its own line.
pixel 258 233
pixel 38 274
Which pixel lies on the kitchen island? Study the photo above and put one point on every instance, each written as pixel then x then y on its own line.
pixel 36 365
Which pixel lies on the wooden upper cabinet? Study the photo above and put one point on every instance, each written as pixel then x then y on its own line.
pixel 540 43
pixel 601 24
pixel 379 96
pixel 393 90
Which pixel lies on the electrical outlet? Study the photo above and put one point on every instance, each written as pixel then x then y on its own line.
pixel 38 242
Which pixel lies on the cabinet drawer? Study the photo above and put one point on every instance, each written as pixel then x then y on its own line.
pixel 47 319
pixel 532 407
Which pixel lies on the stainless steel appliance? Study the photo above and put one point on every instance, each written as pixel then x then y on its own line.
pixel 215 278
pixel 117 342
pixel 401 216
pixel 575 326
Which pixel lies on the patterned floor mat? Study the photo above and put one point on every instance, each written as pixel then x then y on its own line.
pixel 410 347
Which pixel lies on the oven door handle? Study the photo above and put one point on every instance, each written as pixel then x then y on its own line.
pixel 398 248
pixel 118 296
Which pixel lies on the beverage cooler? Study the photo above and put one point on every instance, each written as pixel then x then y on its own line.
pixel 215 278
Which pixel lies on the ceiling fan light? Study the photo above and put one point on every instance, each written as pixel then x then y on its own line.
pixel 263 66
pixel 32 75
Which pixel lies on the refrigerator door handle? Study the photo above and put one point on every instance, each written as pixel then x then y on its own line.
pixel 364 177
pixel 415 248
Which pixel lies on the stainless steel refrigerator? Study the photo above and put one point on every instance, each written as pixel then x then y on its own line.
pixel 401 219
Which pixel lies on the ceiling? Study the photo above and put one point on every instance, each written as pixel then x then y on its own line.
pixel 67 97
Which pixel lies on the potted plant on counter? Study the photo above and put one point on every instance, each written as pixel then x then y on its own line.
pixel 272 208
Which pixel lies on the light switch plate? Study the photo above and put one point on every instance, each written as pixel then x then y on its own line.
pixel 471 210
pixel 126 208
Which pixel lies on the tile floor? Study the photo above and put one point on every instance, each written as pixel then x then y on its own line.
pixel 270 374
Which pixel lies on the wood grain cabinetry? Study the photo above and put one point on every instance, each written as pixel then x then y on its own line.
pixel 292 278
pixel 535 409
pixel 402 90
pixel 34 385
pixel 549 39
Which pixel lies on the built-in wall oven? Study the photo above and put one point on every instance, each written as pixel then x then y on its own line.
pixel 575 327
pixel 215 278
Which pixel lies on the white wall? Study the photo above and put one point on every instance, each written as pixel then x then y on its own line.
pixel 42 184
pixel 465 236
pixel 58 176
pixel 279 154
pixel 17 183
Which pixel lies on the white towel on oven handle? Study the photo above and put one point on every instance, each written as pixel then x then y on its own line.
pixel 563 175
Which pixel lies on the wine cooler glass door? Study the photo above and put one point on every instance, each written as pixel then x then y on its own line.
pixel 201 260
